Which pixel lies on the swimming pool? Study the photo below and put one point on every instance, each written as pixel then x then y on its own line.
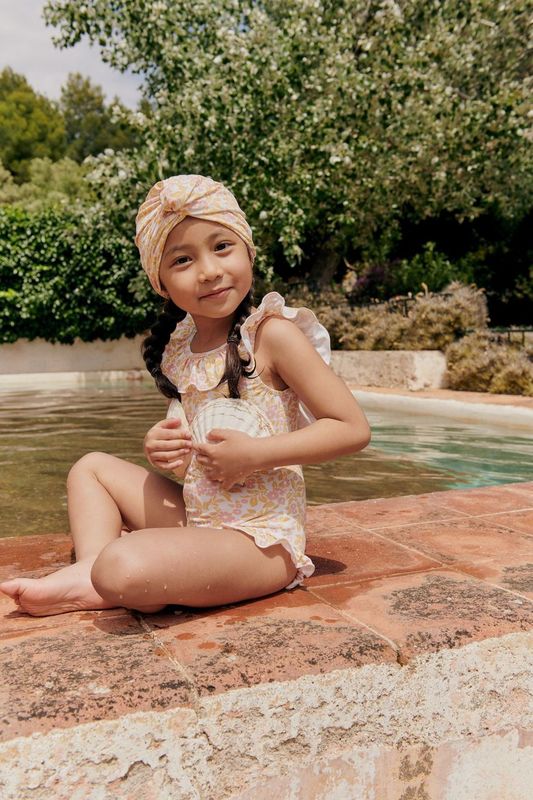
pixel 43 432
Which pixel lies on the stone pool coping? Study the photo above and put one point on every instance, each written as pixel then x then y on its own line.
pixel 507 410
pixel 403 665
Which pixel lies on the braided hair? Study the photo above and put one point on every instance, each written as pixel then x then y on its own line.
pixel 154 345
pixel 235 366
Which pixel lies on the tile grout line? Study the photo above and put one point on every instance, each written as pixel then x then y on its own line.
pixel 494 585
pixel 180 668
pixel 381 577
pixel 366 527
pixel 446 566
pixel 407 547
pixel 395 647
pixel 499 513
pixel 444 520
pixel 504 528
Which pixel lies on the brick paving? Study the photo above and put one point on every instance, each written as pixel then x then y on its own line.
pixel 395 578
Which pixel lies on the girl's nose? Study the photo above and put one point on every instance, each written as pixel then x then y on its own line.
pixel 209 269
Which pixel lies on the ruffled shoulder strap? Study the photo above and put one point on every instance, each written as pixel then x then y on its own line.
pixel 186 369
pixel 273 304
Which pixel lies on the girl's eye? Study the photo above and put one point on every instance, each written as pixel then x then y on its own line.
pixel 225 245
pixel 181 260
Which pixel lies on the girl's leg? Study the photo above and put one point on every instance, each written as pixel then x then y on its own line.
pixel 104 494
pixel 189 566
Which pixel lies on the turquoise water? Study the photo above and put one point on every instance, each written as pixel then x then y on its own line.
pixel 42 433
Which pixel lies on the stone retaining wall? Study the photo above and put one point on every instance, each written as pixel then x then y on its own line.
pixel 454 725
pixel 412 370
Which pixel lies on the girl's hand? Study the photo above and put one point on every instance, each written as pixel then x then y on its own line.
pixel 167 445
pixel 229 459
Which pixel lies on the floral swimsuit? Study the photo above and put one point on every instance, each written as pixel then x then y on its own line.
pixel 271 504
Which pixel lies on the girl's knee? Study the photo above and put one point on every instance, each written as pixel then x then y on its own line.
pixel 116 571
pixel 90 462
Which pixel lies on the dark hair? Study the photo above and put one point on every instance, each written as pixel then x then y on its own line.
pixel 154 345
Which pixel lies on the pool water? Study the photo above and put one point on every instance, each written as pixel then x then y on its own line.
pixel 42 433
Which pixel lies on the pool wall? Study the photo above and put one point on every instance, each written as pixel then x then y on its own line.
pixel 409 369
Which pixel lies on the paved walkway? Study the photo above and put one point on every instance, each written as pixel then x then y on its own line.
pixel 395 578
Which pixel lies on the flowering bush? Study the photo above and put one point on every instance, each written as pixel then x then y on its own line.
pixel 331 120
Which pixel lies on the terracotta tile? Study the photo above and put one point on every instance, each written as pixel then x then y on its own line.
pixel 20 555
pixel 66 676
pixel 488 500
pixel 424 612
pixel 516 520
pixel 15 623
pixel 393 511
pixel 327 521
pixel 359 556
pixel 276 638
pixel 477 546
pixel 526 487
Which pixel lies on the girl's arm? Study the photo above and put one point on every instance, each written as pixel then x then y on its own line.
pixel 341 426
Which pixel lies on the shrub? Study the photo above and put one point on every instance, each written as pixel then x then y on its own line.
pixel 479 365
pixel 66 274
pixel 432 321
pixel 330 306
pixel 430 270
pixel 437 320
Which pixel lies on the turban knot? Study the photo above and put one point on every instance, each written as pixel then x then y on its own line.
pixel 168 202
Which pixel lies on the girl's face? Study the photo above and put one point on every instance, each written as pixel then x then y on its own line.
pixel 201 257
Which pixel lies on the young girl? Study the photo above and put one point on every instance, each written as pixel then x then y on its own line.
pixel 235 530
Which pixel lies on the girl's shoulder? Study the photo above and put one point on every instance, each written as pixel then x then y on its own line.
pixel 273 305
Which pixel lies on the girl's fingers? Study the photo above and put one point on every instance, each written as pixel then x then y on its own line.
pixel 167 446
pixel 166 457
pixel 171 434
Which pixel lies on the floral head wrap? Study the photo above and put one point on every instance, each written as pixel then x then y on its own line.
pixel 168 202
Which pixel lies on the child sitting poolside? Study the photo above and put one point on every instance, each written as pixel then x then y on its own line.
pixel 236 529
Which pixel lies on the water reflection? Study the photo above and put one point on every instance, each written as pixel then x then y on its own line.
pixel 43 433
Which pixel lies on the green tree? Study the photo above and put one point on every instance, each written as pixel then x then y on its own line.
pixel 50 183
pixel 90 125
pixel 331 120
pixel 31 126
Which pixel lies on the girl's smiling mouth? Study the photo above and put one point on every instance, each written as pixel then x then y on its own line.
pixel 218 293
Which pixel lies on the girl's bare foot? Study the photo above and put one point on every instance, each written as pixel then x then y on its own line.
pixel 68 589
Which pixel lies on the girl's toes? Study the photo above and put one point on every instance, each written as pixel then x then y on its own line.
pixel 11 588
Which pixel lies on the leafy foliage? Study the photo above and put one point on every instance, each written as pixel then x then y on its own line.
pixel 64 275
pixel 330 120
pixel 50 183
pixel 432 321
pixel 31 126
pixel 429 269
pixel 90 126
pixel 477 364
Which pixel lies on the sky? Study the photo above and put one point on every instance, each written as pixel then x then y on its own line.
pixel 26 46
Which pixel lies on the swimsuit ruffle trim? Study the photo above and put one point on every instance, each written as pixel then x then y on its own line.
pixel 204 370
pixel 303 563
